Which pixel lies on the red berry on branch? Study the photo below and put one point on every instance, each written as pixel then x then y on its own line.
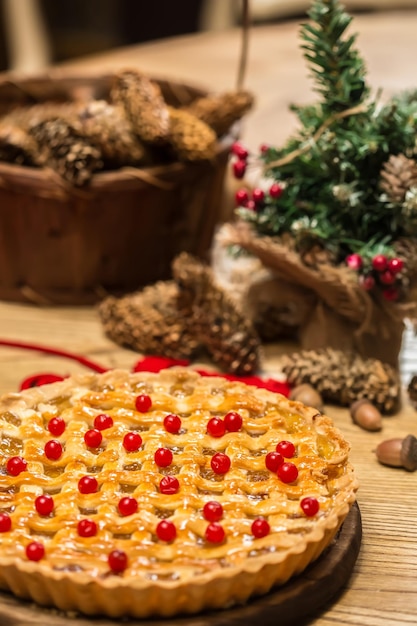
pixel 251 205
pixel 213 511
pixel 395 265
pixel 215 533
pixel 367 282
pixel 354 261
pixel 263 148
pixel 260 528
pixel 241 197
pixel 239 168
pixel 16 465
pixel 240 151
pixel 275 191
pixel 387 277
pixel 380 262
pixel 258 196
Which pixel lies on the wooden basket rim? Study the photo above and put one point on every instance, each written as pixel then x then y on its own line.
pixel 45 180
pixel 84 76
pixel 162 176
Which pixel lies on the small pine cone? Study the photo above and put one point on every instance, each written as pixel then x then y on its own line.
pixel 143 104
pixel 398 175
pixel 221 111
pixel 148 321
pixel 215 318
pixel 190 138
pixel 16 146
pixel 106 127
pixel 342 378
pixel 62 148
pixel 412 389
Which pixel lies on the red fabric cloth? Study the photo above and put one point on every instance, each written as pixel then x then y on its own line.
pixel 146 364
pixel 39 379
pixel 157 363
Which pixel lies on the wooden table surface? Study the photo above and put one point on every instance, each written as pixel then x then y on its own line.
pixel 383 588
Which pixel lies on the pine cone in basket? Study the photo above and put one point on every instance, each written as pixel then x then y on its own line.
pixel 16 146
pixel 221 111
pixel 107 128
pixel 214 317
pixel 26 116
pixel 398 175
pixel 148 321
pixel 190 138
pixel 62 148
pixel 343 378
pixel 143 104
pixel 412 389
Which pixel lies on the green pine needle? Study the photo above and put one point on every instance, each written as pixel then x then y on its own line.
pixel 332 180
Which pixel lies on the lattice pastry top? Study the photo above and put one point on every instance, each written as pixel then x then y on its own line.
pixel 156 484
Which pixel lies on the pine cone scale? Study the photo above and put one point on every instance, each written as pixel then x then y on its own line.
pixel 343 378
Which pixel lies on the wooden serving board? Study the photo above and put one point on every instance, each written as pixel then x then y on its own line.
pixel 288 605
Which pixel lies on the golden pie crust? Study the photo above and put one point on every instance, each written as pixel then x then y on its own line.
pixel 190 573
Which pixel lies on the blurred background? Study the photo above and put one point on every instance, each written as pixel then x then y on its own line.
pixel 35 33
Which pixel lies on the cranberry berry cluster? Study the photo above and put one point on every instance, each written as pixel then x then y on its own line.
pixel 240 163
pixel 255 199
pixel 379 272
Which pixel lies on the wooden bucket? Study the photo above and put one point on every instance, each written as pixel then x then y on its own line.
pixel 62 245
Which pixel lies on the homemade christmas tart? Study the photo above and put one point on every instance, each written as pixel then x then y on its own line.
pixel 159 494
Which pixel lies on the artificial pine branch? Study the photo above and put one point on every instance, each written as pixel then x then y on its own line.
pixel 337 67
pixel 330 172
